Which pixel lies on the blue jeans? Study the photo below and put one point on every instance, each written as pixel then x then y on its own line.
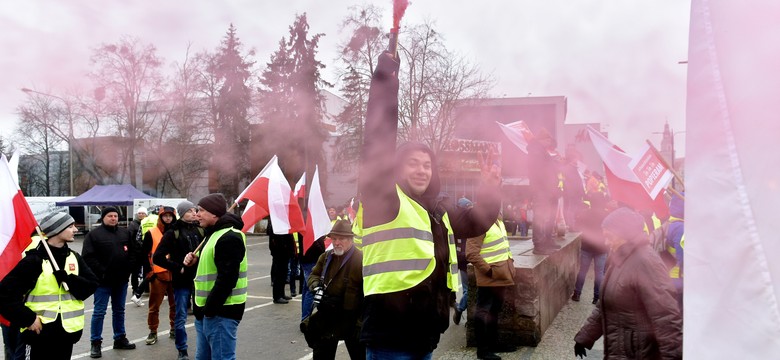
pixel 182 298
pixel 308 296
pixel 118 295
pixel 599 260
pixel 385 354
pixel 464 281
pixel 216 338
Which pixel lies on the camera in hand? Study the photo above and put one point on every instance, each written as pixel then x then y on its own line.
pixel 318 292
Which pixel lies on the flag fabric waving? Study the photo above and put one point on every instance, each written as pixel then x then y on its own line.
pixel 317 220
pixel 16 221
pixel 271 194
pixel 252 214
pixel 622 183
pixel 518 133
pixel 732 275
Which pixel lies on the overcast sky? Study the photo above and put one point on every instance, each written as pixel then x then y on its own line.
pixel 615 61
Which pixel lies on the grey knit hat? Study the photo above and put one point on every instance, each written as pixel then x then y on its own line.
pixel 183 207
pixel 54 223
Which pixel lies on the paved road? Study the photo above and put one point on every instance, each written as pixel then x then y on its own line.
pixel 270 331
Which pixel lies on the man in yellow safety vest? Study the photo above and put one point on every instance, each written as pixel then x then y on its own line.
pixel 33 297
pixel 220 279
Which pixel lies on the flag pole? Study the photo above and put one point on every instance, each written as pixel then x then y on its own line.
pixel 658 154
pixel 51 257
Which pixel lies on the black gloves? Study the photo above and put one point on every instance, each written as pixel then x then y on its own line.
pixel 579 350
pixel 61 276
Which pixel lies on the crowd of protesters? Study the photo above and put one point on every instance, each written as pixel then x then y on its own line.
pixel 383 280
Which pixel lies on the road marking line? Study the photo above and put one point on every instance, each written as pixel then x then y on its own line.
pixel 165 332
pixel 260 243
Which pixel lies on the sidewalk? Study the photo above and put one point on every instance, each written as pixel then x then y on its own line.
pixel 557 343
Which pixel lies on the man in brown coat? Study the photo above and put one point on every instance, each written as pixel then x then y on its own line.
pixel 337 284
pixel 637 313
pixel 494 270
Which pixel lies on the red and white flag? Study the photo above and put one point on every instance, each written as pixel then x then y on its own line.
pixel 622 183
pixel 317 220
pixel 271 194
pixel 16 221
pixel 651 171
pixel 518 133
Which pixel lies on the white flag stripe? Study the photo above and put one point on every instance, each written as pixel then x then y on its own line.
pixel 515 135
pixel 319 213
pixel 616 160
pixel 8 189
pixel 262 173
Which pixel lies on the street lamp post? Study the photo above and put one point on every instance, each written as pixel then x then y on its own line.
pixel 70 132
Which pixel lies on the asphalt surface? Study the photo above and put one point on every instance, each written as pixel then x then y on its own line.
pixel 270 331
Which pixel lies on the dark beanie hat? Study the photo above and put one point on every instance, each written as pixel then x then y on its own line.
pixel 625 223
pixel 214 203
pixel 54 223
pixel 106 210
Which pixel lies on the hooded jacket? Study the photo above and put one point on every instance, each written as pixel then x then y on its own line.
pixel 413 319
pixel 148 243
pixel 172 250
pixel 229 252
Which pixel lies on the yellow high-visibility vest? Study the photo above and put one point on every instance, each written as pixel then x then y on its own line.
pixel 495 246
pixel 399 255
pixel 206 275
pixel 49 299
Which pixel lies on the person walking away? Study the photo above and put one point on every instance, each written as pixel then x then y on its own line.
pixel 220 279
pixel 182 238
pixel 494 270
pixel 408 239
pixel 339 279
pixel 109 253
pixel 135 228
pixel 160 278
pixel 637 313
pixel 33 297
pixel 593 248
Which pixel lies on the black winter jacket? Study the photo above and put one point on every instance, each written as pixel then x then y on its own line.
pixel 22 279
pixel 171 251
pixel 110 254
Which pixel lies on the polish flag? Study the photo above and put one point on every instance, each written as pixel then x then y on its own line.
pixel 295 213
pixel 351 210
pixel 252 214
pixel 622 183
pixel 518 133
pixel 317 220
pixel 16 221
pixel 271 194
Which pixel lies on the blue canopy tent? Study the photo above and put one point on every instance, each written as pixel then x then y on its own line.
pixel 105 195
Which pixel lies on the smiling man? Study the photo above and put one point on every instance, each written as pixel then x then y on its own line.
pixel 409 259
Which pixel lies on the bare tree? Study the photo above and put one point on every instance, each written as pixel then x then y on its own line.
pixel 43 175
pixel 130 72
pixel 432 79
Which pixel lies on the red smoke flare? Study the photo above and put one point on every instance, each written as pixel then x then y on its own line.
pixel 399 7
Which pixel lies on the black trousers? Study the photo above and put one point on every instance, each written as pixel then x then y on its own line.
pixel 279 264
pixel 326 349
pixel 490 300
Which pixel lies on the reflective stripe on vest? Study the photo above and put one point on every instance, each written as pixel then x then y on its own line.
pixel 156 237
pixel 49 299
pixel 206 275
pixel 495 246
pixel 674 271
pixel 148 223
pixel 400 254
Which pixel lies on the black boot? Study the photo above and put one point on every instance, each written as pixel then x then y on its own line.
pixel 487 355
pixel 94 350
pixel 123 344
